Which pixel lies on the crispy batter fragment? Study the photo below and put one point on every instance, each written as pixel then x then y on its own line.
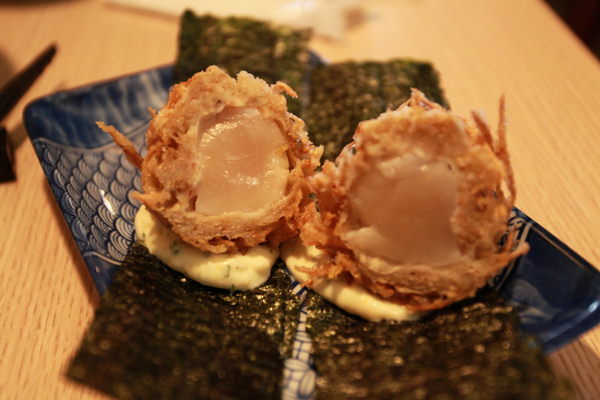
pixel 121 140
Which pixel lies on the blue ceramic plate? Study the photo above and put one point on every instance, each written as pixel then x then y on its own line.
pixel 556 292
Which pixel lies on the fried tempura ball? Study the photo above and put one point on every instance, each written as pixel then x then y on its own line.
pixel 226 163
pixel 413 209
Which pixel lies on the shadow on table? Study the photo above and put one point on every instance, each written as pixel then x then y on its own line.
pixel 74 254
pixel 17 136
pixel 574 363
pixel 6 69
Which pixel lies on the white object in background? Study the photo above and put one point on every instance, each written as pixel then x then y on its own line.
pixel 325 17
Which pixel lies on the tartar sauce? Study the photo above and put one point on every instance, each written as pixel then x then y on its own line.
pixel 226 271
pixel 349 297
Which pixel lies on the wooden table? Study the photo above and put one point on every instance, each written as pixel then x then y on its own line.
pixel 481 48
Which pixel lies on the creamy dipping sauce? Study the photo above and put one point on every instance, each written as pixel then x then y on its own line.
pixel 349 297
pixel 225 271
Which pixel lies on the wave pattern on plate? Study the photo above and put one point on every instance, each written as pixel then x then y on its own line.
pixel 91 188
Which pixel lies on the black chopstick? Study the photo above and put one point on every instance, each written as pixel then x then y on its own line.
pixel 17 86
pixel 7 173
pixel 9 96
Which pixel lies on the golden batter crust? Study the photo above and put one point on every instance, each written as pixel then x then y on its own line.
pixel 486 195
pixel 168 167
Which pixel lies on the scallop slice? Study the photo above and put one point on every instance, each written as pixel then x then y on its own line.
pixel 399 200
pixel 414 208
pixel 243 164
pixel 226 164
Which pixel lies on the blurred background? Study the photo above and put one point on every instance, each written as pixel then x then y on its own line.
pixel 583 17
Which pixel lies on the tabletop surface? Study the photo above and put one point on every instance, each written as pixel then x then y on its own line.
pixel 482 49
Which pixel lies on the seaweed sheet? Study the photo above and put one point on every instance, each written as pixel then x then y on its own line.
pixel 160 335
pixel 343 94
pixel 273 53
pixel 472 350
pixel 333 98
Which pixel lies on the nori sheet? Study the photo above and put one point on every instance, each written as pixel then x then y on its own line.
pixel 472 350
pixel 333 98
pixel 271 52
pixel 343 94
pixel 158 335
